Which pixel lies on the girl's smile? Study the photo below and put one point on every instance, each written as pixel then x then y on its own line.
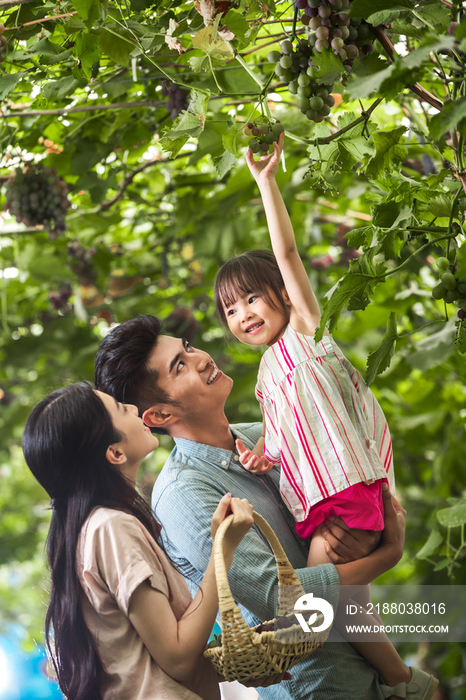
pixel 253 321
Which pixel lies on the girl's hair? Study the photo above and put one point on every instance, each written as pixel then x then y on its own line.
pixel 255 271
pixel 64 442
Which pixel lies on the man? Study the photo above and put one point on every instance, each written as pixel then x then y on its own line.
pixel 179 390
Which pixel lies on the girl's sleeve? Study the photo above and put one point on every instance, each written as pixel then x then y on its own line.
pixel 119 555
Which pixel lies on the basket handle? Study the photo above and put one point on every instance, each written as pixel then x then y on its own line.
pixel 286 574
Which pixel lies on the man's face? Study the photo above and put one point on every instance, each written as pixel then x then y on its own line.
pixel 189 376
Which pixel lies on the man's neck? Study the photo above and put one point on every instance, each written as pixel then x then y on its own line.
pixel 207 431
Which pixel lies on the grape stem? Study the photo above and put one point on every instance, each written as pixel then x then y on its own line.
pixel 243 63
pixel 295 19
pixel 363 118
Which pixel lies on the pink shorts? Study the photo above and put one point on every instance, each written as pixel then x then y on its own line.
pixel 360 506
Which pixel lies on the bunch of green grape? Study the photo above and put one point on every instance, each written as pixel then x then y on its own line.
pixel 263 135
pixel 450 289
pixel 295 68
pixel 36 196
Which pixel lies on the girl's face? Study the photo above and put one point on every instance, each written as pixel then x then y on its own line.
pixel 254 322
pixel 137 440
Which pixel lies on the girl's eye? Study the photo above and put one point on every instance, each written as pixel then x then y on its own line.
pixel 230 312
pixel 252 299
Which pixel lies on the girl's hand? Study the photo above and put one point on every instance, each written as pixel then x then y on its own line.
pixel 242 522
pixel 267 167
pixel 251 462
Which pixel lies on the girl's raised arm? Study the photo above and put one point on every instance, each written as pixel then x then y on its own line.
pixel 305 312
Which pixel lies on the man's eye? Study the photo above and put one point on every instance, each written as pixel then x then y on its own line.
pixel 179 366
pixel 189 347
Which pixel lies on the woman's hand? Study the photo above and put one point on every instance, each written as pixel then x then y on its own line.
pixel 267 167
pixel 242 521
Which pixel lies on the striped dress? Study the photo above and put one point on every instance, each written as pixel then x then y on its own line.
pixel 323 424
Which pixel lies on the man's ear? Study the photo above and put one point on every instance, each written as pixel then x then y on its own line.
pixel 115 454
pixel 160 416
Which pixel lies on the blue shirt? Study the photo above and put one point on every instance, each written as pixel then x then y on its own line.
pixel 185 496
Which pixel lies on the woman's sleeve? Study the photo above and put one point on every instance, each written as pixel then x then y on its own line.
pixel 119 556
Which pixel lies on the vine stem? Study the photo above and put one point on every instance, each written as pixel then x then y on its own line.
pixel 40 21
pixel 421 328
pixel 243 63
pixel 86 108
pixel 419 250
pixel 363 118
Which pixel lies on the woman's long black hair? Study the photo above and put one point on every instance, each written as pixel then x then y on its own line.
pixel 64 442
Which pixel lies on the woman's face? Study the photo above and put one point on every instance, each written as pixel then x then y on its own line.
pixel 137 440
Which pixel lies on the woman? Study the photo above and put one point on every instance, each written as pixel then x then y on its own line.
pixel 124 625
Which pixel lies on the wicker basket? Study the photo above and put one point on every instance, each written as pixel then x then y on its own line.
pixel 246 654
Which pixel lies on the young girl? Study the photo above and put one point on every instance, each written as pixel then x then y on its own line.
pixel 321 422
pixel 124 624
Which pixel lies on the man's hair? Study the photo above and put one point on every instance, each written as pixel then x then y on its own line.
pixel 255 271
pixel 121 364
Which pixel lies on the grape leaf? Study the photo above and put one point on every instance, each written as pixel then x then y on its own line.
pixel 406 29
pixel 359 236
pixel 388 215
pixel 434 14
pixel 389 153
pixel 368 77
pixel 366 8
pixel 236 23
pixel 87 50
pixel 447 119
pixel 87 9
pixel 61 88
pixel 188 123
pixel 453 516
pixel 434 540
pixel 354 287
pixel 330 67
pixel 380 359
pixel 433 350
pixel 9 82
pixel 115 46
pixel 208 40
pixel 224 163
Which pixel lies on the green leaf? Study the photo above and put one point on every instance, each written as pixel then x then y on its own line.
pixel 61 88
pixel 9 81
pixel 87 9
pixel 455 516
pixel 115 46
pixel 44 47
pixel 448 118
pixel 359 236
pixel 232 139
pixel 199 63
pixel 224 163
pixel 236 23
pixel 366 8
pixel 434 540
pixel 368 75
pixel 330 66
pixel 380 359
pixel 442 564
pixel 389 153
pixel 434 14
pixel 211 43
pixel 87 50
pixel 189 123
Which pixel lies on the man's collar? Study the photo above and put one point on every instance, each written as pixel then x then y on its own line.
pixel 216 456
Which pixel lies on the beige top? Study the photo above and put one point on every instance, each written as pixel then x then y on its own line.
pixel 115 554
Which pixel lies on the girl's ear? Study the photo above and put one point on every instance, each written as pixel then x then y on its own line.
pixel 286 298
pixel 115 454
pixel 160 416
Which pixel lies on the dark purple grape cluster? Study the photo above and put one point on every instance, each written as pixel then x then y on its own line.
pixel 177 98
pixel 77 251
pixel 3 42
pixel 263 136
pixel 59 299
pixel 36 196
pixel 450 289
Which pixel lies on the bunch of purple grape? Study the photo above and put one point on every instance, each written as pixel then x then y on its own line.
pixel 330 28
pixel 59 299
pixel 177 98
pixel 263 136
pixel 36 196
